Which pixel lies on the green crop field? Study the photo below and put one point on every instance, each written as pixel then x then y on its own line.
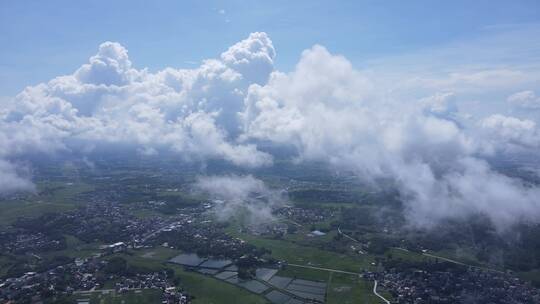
pixel 75 248
pixel 304 255
pixel 533 276
pixel 304 273
pixel 350 289
pixel 206 290
pixel 158 253
pixel 397 254
pixel 52 197
pixel 5 263
pixel 11 210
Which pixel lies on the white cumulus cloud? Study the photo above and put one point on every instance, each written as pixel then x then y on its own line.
pixel 108 101
pixel 326 108
pixel 511 130
pixel 525 99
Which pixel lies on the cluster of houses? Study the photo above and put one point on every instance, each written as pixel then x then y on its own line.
pixel 305 215
pixel 456 285
pixel 19 241
pixel 83 275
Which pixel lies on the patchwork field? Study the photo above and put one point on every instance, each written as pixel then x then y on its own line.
pixel 50 197
pixel 297 254
pixel 197 284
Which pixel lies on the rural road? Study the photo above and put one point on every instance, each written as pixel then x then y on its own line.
pixel 347 236
pixel 346 272
pixel 325 269
pixel 377 294
pixel 350 238
pixel 451 261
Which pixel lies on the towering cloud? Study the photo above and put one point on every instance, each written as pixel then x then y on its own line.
pixel 325 108
pixel 110 66
pixel 253 57
pixel 106 101
pixel 330 112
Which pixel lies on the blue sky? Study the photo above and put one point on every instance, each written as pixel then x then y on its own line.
pixel 418 92
pixel 43 39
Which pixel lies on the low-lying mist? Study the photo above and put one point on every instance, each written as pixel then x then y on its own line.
pixel 241 195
